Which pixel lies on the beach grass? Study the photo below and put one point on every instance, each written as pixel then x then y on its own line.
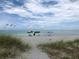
pixel 61 49
pixel 11 47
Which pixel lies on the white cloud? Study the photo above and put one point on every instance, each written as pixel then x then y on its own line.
pixel 19 11
pixel 63 11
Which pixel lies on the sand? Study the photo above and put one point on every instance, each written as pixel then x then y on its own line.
pixel 34 40
pixel 35 53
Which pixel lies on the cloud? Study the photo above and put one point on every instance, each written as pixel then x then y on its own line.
pixel 56 12
pixel 14 21
pixel 47 3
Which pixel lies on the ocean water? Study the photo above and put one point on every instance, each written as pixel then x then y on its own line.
pixel 42 32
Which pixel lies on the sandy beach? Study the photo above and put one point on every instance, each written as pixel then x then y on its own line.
pixel 36 53
pixel 43 39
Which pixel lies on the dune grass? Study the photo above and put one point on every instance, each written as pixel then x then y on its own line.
pixel 62 49
pixel 11 47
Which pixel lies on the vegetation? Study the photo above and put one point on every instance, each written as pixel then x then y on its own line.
pixel 62 49
pixel 11 47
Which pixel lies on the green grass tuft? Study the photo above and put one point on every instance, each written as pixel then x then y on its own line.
pixel 10 47
pixel 62 49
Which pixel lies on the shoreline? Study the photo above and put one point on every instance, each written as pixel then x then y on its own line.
pixel 34 40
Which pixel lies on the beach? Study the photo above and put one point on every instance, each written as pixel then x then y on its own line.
pixel 43 39
pixel 36 53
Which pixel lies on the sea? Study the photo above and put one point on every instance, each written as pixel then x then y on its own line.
pixel 42 32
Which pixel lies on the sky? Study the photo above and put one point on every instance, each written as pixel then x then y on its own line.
pixel 39 14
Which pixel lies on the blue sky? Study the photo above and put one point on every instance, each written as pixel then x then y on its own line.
pixel 39 14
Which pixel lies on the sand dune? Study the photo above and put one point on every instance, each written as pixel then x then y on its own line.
pixel 35 53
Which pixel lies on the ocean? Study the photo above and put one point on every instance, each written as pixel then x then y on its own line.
pixel 42 32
